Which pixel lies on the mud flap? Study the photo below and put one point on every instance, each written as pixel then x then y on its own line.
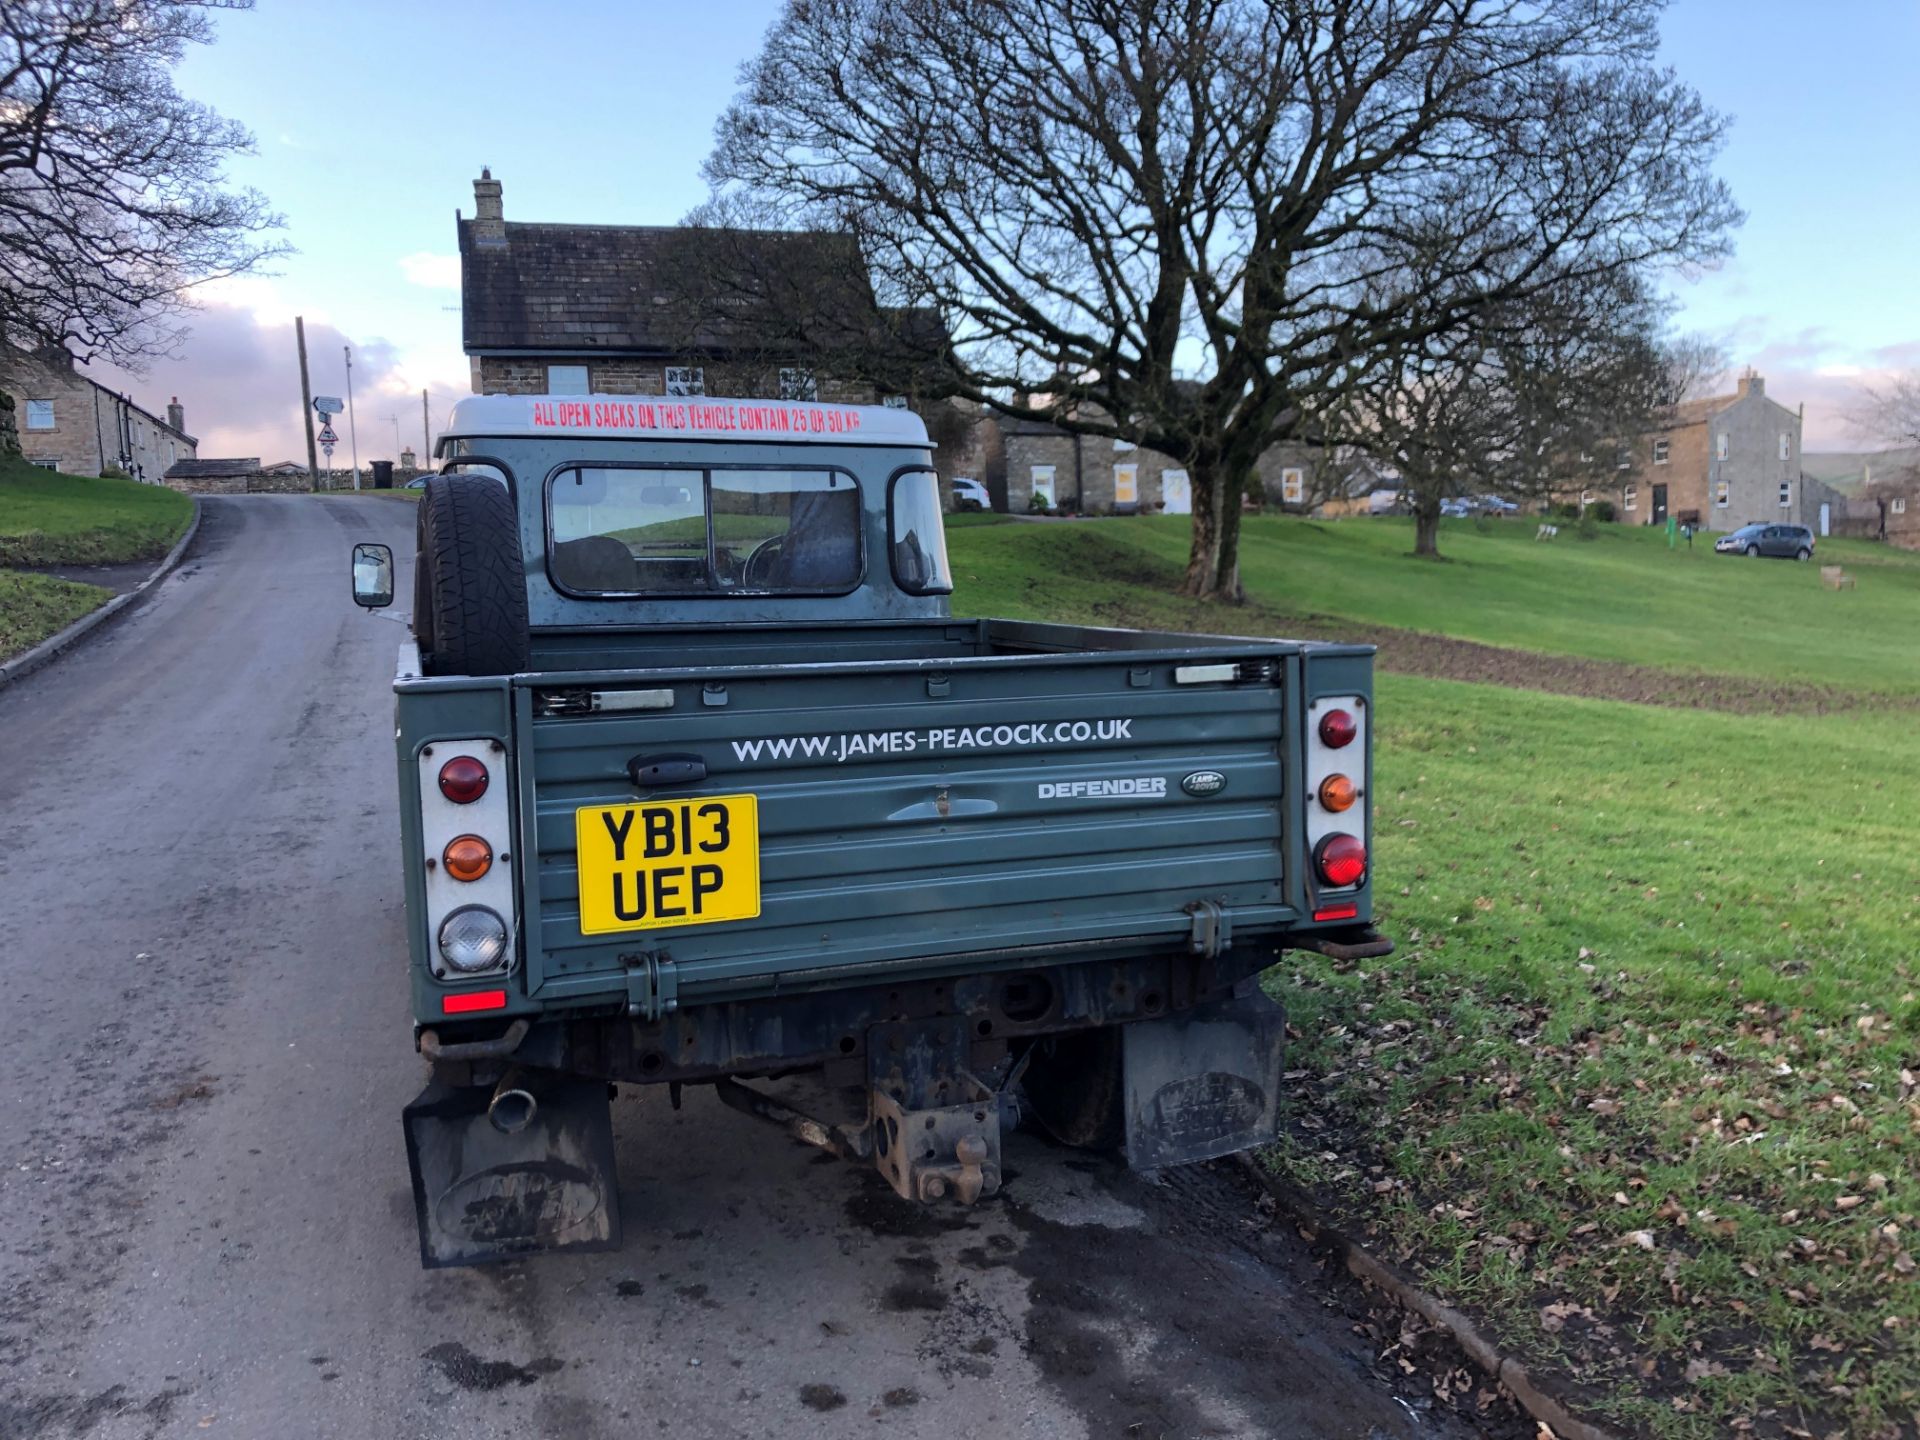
pixel 1202 1083
pixel 480 1195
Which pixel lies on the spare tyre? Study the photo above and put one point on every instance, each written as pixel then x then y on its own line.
pixel 470 585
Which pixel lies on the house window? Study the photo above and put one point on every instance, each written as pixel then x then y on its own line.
pixel 55 465
pixel 1293 486
pixel 1899 505
pixel 1624 459
pixel 1126 485
pixel 40 414
pixel 1786 446
pixel 798 383
pixel 1720 446
pixel 1586 497
pixel 1632 497
pixel 1661 449
pixel 1786 493
pixel 894 402
pixel 1720 496
pixel 566 380
pixel 686 380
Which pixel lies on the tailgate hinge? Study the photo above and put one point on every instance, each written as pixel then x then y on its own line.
pixel 653 985
pixel 1212 928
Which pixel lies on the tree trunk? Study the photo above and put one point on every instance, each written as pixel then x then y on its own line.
pixel 1213 564
pixel 1426 528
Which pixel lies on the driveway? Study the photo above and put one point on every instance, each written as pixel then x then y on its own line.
pixel 205 1223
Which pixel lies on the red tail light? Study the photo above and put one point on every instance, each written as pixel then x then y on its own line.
pixel 1341 860
pixel 1337 729
pixel 463 779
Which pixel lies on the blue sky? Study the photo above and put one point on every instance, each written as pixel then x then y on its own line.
pixel 373 119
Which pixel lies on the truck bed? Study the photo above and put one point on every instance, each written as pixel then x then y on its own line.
pixel 985 791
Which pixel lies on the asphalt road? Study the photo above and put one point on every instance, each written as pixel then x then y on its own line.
pixel 205 1225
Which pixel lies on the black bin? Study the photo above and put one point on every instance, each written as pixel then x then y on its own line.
pixel 383 474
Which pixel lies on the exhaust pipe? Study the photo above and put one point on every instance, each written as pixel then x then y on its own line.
pixel 513 1107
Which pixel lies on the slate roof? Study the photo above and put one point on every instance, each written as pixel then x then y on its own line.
pixel 213 469
pixel 656 290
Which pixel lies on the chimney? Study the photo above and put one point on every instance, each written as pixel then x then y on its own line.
pixel 1750 384
pixel 177 415
pixel 489 217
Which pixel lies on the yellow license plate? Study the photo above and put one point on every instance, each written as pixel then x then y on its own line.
pixel 667 863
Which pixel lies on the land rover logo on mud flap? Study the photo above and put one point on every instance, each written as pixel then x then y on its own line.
pixel 1204 782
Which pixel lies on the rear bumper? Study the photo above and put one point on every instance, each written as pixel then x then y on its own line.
pixel 826 1029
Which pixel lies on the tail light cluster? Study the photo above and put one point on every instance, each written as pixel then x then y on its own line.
pixel 464 832
pixel 1336 807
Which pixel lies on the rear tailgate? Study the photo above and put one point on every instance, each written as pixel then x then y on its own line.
pixel 906 811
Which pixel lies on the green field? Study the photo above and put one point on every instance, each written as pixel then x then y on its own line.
pixel 1638 1088
pixel 52 519
pixel 32 607
pixel 1622 597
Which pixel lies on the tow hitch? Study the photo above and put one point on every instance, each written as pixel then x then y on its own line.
pixel 936 1126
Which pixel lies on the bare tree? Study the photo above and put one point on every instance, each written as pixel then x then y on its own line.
pixel 1697 366
pixel 1890 412
pixel 1530 399
pixel 112 196
pixel 1105 198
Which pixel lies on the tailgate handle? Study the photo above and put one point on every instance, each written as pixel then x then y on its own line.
pixel 650 771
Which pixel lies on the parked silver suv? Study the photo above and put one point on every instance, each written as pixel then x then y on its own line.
pixel 1787 542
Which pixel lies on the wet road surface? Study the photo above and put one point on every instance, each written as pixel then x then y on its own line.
pixel 205 1222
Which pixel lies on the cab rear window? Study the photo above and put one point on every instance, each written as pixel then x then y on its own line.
pixel 632 530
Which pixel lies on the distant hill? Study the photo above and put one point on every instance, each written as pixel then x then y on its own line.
pixel 1846 470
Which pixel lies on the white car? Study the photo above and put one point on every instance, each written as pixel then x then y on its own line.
pixel 969 494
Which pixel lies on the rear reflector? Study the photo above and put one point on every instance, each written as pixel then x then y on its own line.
pixel 473 1000
pixel 1338 912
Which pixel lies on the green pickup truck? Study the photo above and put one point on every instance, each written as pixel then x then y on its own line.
pixel 701 782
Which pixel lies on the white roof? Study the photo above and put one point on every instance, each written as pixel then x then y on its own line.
pixel 672 417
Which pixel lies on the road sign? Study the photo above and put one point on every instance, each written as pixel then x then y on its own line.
pixel 329 404
pixel 327 437
pixel 326 448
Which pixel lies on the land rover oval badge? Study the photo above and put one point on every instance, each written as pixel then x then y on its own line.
pixel 1204 782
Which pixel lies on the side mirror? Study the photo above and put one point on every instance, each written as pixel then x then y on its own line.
pixel 373 576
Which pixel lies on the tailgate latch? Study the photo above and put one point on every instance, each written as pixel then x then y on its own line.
pixel 653 985
pixel 1212 928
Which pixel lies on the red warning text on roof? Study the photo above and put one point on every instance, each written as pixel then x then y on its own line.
pixel 725 417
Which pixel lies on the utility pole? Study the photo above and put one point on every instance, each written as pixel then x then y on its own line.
pixel 306 401
pixel 353 431
pixel 426 430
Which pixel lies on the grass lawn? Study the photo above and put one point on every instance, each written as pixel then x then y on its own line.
pixel 52 519
pixel 1639 1087
pixel 1622 597
pixel 32 607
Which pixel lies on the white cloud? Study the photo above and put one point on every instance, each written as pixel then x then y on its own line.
pixel 435 272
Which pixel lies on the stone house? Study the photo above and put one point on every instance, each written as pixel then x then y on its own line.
pixel 1889 509
pixel 571 309
pixel 1720 463
pixel 70 422
pixel 1095 475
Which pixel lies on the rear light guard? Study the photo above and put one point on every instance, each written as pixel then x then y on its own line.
pixel 1338 804
pixel 465 843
